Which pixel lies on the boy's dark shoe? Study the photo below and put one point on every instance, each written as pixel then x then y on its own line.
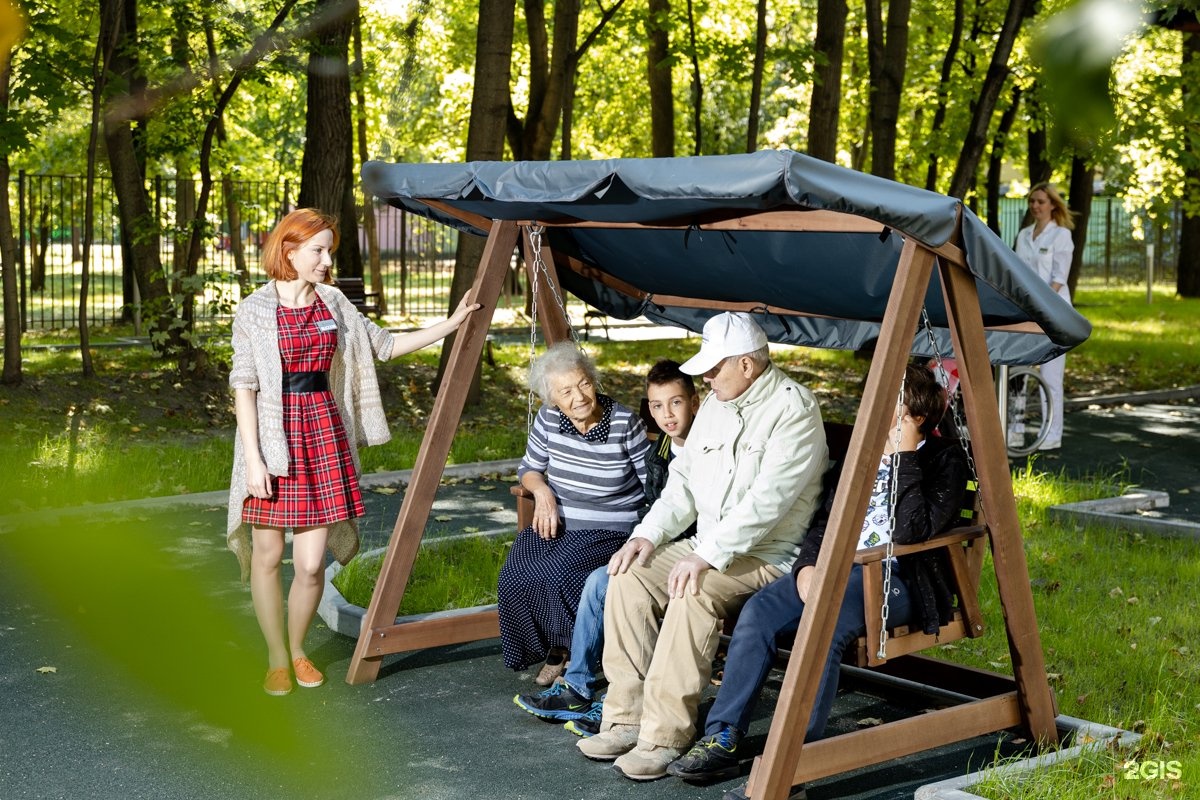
pixel 712 758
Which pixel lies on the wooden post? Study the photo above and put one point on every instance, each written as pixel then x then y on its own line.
pixel 431 459
pixel 999 506
pixel 555 324
pixel 771 777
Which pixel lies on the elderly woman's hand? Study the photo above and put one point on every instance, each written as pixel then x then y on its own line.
pixel 545 513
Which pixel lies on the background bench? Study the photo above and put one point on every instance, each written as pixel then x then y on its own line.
pixel 366 302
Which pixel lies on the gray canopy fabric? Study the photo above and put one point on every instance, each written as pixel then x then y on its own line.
pixel 843 278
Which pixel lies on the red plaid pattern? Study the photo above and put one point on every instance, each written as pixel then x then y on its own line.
pixel 321 486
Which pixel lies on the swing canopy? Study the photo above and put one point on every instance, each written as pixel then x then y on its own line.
pixel 661 237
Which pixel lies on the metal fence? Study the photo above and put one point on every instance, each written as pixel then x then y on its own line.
pixel 417 255
pixel 1116 248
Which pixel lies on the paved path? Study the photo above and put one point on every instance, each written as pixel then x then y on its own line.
pixel 129 662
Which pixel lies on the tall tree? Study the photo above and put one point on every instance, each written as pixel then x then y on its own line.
pixel 887 56
pixel 756 75
pixel 943 92
pixel 697 81
pixel 124 123
pixel 490 105
pixel 1038 140
pixel 8 246
pixel 327 178
pixel 658 67
pixel 830 45
pixel 996 158
pixel 975 137
pixel 360 129
pixel 1079 195
pixel 1187 274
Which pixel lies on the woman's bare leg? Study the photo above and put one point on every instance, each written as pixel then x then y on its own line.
pixel 308 558
pixel 267 592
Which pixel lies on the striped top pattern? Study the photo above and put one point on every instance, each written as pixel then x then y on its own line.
pixel 598 481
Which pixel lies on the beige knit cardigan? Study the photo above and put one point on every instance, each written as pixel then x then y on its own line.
pixel 257 366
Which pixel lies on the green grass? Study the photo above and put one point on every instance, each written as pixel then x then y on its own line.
pixel 1135 345
pixel 1120 620
pixel 456 574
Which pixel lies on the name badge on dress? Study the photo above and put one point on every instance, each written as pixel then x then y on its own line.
pixel 327 325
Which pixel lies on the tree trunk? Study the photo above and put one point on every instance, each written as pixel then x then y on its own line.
pixel 327 168
pixel 1037 149
pixel 829 45
pixel 1187 275
pixel 963 180
pixel 756 76
pixel 697 82
pixel 1079 196
pixel 368 208
pixel 125 162
pixel 662 95
pixel 8 255
pixel 996 160
pixel 943 92
pixel 887 57
pixel 485 141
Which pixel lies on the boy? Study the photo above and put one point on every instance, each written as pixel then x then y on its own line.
pixel 672 399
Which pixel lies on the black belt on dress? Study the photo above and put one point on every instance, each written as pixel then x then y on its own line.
pixel 298 382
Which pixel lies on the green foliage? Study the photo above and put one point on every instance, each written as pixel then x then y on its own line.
pixel 1118 620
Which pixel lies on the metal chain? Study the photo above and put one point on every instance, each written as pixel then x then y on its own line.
pixel 960 427
pixel 893 490
pixel 535 242
pixel 540 269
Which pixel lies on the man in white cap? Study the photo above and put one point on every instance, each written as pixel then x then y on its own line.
pixel 750 478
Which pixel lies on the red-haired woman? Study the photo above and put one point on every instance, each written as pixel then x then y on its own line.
pixel 306 397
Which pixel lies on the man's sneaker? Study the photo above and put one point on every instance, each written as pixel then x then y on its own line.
pixel 559 702
pixel 713 758
pixel 646 762
pixel 616 740
pixel 796 793
pixel 589 723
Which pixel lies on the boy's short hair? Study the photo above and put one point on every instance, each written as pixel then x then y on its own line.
pixel 668 371
pixel 924 396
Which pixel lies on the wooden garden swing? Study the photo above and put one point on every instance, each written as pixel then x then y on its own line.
pixel 998 702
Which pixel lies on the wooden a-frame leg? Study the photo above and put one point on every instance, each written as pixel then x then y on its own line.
pixel 435 447
pixel 999 506
pixel 772 774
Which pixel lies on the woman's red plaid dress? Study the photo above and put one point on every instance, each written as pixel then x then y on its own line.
pixel 321 486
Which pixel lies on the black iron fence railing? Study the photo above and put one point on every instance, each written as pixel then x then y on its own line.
pixel 416 255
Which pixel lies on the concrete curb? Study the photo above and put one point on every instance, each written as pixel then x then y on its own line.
pixel 221 497
pixel 1126 513
pixel 1091 735
pixel 1133 398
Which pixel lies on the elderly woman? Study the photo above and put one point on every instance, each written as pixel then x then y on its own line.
pixel 585 465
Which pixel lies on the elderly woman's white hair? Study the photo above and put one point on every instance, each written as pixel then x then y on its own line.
pixel 559 359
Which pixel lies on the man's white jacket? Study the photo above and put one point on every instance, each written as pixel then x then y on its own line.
pixel 749 476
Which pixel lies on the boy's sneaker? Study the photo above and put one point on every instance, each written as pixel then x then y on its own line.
pixel 559 702
pixel 589 723
pixel 712 758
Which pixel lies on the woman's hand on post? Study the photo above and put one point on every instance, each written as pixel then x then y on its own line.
pixel 464 310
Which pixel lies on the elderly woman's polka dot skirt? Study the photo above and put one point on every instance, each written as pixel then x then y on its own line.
pixel 539 588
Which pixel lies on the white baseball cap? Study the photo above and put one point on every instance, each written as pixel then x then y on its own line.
pixel 732 333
